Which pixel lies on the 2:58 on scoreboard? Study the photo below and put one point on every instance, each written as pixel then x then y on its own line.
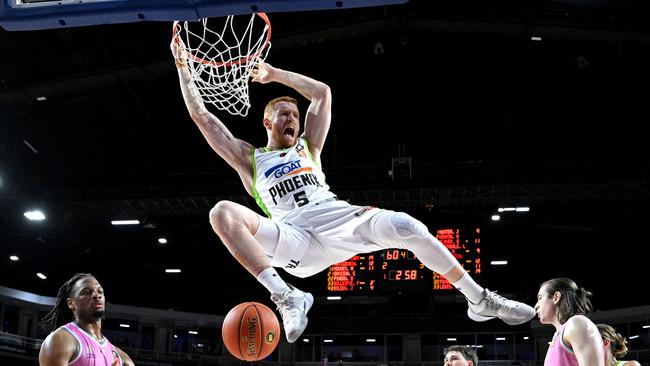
pixel 399 269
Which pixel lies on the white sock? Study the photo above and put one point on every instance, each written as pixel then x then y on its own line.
pixel 472 291
pixel 272 281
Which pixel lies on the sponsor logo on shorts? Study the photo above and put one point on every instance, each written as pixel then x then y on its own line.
pixel 363 210
pixel 292 264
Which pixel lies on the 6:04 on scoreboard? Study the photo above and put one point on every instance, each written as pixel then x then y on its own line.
pixel 399 269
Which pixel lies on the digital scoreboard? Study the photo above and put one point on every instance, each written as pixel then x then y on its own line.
pixel 399 269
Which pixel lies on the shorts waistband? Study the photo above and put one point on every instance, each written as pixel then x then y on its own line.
pixel 326 200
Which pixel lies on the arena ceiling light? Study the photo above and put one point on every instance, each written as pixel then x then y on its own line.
pixel 509 209
pixel 14 258
pixel 34 215
pixel 125 222
pixel 516 209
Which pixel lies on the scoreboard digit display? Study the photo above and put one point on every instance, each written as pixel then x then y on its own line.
pixel 399 269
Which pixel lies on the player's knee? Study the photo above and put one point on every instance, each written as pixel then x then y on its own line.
pixel 405 226
pixel 221 215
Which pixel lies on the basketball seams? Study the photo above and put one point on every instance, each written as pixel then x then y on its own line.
pixel 260 330
pixel 241 321
pixel 244 326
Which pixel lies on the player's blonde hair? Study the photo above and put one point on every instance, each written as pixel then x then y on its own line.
pixel 268 110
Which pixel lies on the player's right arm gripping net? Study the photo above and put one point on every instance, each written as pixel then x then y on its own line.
pixel 221 53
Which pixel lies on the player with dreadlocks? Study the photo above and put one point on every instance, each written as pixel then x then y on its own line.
pixel 76 326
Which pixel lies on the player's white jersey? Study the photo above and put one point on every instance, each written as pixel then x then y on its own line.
pixel 285 180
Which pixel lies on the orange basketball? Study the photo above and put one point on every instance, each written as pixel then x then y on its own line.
pixel 250 331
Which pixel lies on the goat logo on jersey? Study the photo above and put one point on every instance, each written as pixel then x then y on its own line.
pixel 283 169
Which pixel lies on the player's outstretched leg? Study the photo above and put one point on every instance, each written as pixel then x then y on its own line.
pixel 293 306
pixel 399 230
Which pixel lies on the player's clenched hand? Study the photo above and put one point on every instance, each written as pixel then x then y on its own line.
pixel 263 73
pixel 178 49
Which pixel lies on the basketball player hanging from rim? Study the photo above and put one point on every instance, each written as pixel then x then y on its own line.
pixel 307 228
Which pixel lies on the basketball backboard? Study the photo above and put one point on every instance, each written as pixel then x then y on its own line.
pixel 47 14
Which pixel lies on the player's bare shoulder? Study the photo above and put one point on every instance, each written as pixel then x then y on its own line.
pixel 58 346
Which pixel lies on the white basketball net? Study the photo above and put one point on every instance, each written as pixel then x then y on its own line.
pixel 221 53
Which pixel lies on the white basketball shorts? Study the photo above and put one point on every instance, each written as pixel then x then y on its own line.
pixel 319 236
